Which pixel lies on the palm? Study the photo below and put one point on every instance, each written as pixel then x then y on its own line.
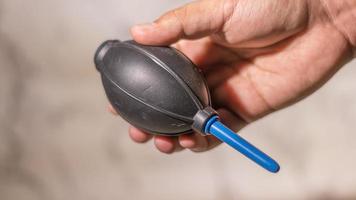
pixel 253 82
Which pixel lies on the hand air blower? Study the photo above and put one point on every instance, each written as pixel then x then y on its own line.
pixel 160 91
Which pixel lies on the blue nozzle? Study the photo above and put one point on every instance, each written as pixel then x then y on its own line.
pixel 219 130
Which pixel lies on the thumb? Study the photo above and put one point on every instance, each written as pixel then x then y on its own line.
pixel 191 21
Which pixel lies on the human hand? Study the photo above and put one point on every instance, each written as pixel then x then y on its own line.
pixel 257 56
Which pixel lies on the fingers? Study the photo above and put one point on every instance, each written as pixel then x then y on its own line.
pixel 166 144
pixel 191 21
pixel 135 134
pixel 138 135
pixel 112 110
pixel 197 142
pixel 163 143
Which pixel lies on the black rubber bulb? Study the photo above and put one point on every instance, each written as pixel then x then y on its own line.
pixel 160 91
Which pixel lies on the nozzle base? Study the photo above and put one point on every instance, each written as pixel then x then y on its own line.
pixel 201 118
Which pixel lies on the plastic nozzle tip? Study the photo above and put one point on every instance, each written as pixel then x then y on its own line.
pixel 216 128
pixel 274 167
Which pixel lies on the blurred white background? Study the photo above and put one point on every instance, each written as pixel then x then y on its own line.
pixel 58 142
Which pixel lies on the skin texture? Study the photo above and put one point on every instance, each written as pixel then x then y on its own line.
pixel 257 56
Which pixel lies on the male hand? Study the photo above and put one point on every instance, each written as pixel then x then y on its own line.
pixel 258 56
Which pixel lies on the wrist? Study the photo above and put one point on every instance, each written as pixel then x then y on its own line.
pixel 342 14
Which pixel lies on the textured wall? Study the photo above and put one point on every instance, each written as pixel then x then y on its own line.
pixel 57 141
